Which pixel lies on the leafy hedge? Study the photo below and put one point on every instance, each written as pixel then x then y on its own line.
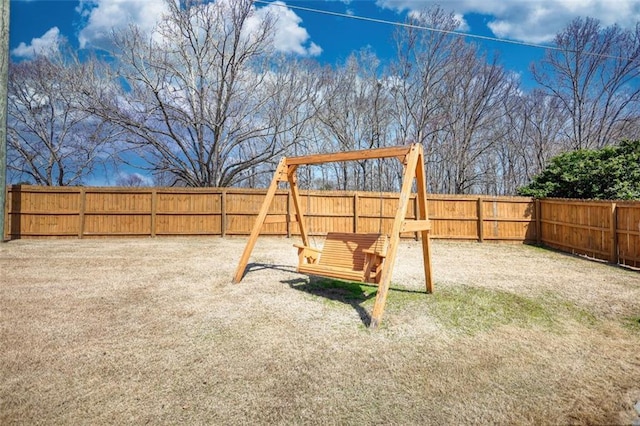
pixel 611 173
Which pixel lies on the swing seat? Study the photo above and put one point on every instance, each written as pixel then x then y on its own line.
pixel 346 256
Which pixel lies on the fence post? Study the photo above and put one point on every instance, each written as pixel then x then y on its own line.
pixel 154 208
pixel 355 212
pixel 83 201
pixel 223 213
pixel 538 213
pixel 480 215
pixel 289 200
pixel 6 228
pixel 614 233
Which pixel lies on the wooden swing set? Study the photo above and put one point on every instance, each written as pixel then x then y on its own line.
pixel 358 257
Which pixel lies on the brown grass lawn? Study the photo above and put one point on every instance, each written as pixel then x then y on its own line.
pixel 153 331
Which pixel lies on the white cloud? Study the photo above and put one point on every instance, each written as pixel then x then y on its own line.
pixel 105 16
pixel 289 35
pixel 462 26
pixel 533 20
pixel 46 45
pixel 133 179
pixel 314 49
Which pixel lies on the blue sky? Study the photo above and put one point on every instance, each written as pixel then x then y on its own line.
pixel 36 24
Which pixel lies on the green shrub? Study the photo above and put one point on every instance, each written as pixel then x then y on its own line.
pixel 610 173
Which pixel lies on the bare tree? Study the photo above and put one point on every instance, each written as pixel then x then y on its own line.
pixel 424 58
pixel 448 97
pixel 52 139
pixel 132 180
pixel 204 101
pixel 289 90
pixel 476 103
pixel 543 131
pixel 353 112
pixel 596 77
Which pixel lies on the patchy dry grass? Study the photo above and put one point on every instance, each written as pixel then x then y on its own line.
pixel 152 331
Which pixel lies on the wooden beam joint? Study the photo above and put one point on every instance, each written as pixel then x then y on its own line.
pixel 415 225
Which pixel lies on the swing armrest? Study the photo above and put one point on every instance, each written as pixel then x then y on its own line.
pixel 370 252
pixel 372 265
pixel 303 247
pixel 307 254
pixel 372 260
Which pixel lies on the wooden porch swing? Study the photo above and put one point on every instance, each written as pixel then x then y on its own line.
pixel 362 257
pixel 346 256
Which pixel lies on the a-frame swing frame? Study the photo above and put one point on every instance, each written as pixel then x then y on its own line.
pixel 412 158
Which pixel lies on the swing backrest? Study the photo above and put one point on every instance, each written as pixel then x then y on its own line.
pixel 347 251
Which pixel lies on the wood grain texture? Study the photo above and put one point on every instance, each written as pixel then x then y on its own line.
pixel 343 255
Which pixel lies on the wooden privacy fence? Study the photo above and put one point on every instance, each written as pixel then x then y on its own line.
pixel 606 230
pixel 58 212
pixel 600 229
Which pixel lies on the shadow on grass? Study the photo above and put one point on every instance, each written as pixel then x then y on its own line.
pixel 354 294
pixel 350 293
pixel 253 267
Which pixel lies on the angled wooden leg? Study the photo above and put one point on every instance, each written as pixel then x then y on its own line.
pixel 405 194
pixel 423 214
pixel 279 176
pixel 295 197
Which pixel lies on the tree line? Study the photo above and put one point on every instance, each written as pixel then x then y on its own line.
pixel 207 100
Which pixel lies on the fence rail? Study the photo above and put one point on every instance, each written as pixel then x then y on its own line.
pixel 601 229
